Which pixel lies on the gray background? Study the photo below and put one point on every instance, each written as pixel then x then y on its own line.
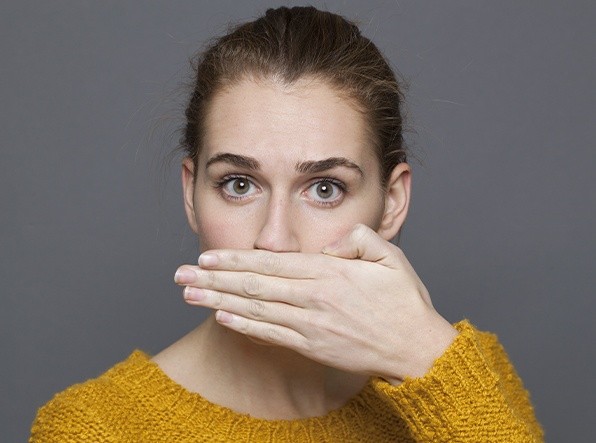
pixel 501 117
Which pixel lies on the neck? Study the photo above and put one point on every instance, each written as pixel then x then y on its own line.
pixel 264 381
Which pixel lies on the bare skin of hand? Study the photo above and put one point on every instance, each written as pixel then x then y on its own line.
pixel 358 307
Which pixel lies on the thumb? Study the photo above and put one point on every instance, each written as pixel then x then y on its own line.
pixel 365 244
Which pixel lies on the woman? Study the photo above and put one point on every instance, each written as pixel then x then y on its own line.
pixel 294 180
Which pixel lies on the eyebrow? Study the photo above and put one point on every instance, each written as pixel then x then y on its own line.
pixel 306 167
pixel 241 161
pixel 313 167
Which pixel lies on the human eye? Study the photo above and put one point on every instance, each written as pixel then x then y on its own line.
pixel 236 187
pixel 326 192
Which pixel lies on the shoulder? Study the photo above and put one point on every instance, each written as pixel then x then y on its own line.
pixel 89 411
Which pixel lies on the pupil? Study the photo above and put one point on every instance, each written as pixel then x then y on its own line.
pixel 240 187
pixel 324 190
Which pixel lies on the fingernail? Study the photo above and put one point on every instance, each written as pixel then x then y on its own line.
pixel 223 317
pixel 193 294
pixel 330 247
pixel 208 260
pixel 184 276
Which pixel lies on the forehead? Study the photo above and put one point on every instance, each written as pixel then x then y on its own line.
pixel 275 122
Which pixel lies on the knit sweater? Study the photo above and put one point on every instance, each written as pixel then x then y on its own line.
pixel 471 394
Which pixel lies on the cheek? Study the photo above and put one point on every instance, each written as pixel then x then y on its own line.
pixel 329 226
pixel 221 226
pixel 217 230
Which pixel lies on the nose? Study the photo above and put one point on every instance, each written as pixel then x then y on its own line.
pixel 277 231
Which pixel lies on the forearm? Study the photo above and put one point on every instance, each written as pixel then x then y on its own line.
pixel 471 394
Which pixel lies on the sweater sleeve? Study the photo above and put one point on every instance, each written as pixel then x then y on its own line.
pixel 472 393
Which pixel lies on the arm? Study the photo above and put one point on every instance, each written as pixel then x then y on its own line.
pixel 472 393
pixel 360 307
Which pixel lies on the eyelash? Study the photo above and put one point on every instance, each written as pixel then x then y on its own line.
pixel 220 185
pixel 342 188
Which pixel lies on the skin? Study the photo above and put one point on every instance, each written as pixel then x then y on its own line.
pixel 294 228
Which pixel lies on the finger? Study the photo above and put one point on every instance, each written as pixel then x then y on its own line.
pixel 287 264
pixel 266 311
pixel 365 244
pixel 267 332
pixel 248 284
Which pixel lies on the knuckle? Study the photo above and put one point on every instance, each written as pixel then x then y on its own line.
pixel 313 321
pixel 217 299
pixel 359 232
pixel 309 292
pixel 313 298
pixel 304 347
pixel 234 260
pixel 318 299
pixel 328 270
pixel 270 263
pixel 245 328
pixel 256 308
pixel 251 285
pixel 210 277
pixel 345 273
pixel 272 335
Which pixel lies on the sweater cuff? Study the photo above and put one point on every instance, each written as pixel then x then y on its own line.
pixel 456 394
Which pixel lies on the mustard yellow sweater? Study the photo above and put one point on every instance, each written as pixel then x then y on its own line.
pixel 471 394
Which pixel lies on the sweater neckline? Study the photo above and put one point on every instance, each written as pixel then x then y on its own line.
pixel 169 394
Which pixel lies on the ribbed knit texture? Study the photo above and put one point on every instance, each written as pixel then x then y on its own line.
pixel 471 394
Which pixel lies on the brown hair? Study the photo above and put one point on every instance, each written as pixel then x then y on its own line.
pixel 288 44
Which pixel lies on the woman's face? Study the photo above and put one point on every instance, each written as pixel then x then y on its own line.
pixel 287 169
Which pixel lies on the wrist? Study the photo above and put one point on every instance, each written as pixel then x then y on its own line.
pixel 428 344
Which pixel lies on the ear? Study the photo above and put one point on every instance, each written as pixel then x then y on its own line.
pixel 397 201
pixel 188 190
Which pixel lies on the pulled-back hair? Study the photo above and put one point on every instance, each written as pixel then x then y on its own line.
pixel 289 44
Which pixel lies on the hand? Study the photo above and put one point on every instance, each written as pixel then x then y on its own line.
pixel 358 307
